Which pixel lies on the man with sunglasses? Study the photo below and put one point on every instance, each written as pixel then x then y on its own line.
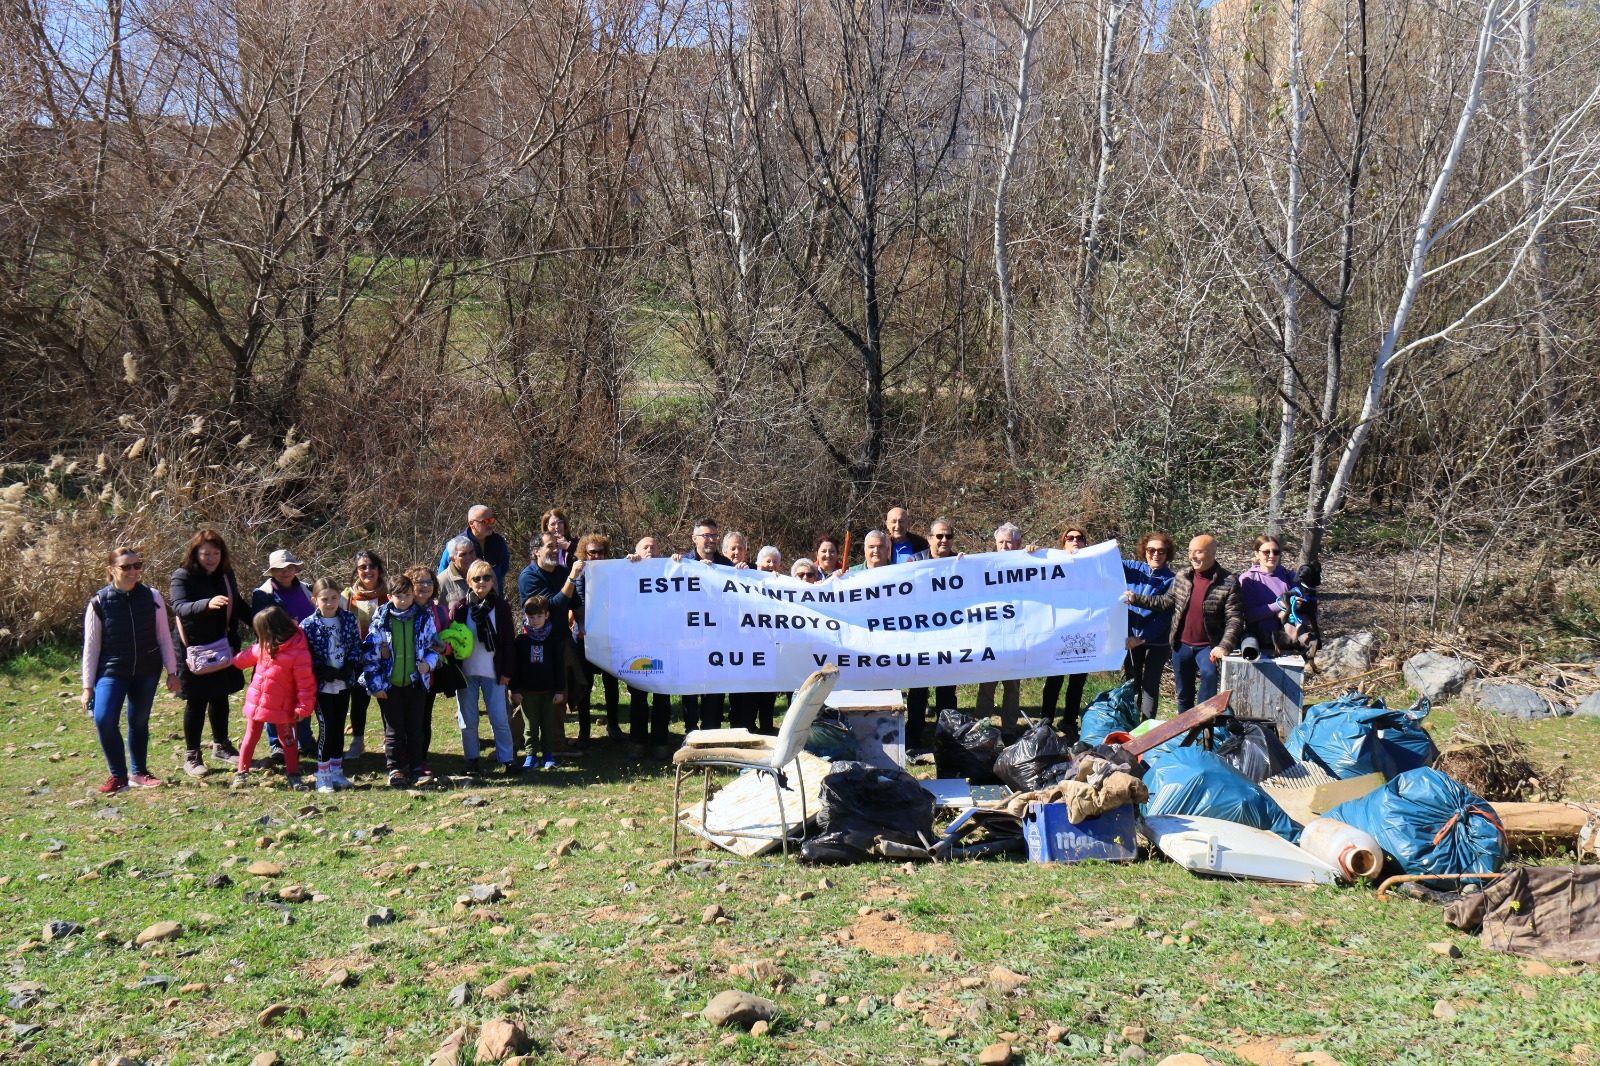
pixel 492 547
pixel 942 545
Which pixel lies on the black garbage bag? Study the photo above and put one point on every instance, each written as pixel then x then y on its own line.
pixel 965 747
pixel 1041 758
pixel 881 802
pixel 863 806
pixel 1252 747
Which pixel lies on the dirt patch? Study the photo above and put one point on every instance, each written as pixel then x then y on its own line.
pixel 883 933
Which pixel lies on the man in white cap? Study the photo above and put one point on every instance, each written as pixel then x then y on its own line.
pixel 284 588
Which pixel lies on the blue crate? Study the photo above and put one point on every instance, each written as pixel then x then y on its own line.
pixel 1051 838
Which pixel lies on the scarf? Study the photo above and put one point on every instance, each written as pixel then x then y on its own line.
pixel 539 634
pixel 482 612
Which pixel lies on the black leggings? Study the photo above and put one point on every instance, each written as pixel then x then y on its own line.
pixel 1144 667
pixel 331 710
pixel 917 710
pixel 195 713
pixel 1072 711
pixel 359 698
pixel 701 711
pixel 649 714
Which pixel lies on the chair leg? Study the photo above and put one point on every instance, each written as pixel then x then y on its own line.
pixel 800 779
pixel 677 786
pixel 783 818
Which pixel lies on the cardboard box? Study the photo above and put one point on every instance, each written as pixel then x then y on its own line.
pixel 1051 838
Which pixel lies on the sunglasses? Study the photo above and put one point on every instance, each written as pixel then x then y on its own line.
pixel 130 566
pixel 480 521
pixel 484 580
pixel 1270 551
pixel 944 536
pixel 1157 551
pixel 1074 536
pixel 363 568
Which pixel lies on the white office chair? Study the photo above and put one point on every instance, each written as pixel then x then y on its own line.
pixel 740 749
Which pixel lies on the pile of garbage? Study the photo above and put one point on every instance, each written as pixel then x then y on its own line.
pixel 1354 794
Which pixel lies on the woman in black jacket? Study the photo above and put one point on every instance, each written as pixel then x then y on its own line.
pixel 206 601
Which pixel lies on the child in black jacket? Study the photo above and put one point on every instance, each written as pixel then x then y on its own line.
pixel 539 684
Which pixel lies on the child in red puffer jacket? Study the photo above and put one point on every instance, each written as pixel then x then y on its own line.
pixel 282 691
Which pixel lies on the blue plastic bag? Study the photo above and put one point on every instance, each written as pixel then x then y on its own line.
pixel 1428 823
pixel 1113 711
pixel 1356 734
pixel 1194 781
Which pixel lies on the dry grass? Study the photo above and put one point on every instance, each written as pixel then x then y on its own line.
pixel 1487 756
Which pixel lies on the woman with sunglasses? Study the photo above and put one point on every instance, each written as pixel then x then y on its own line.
pixel 1072 538
pixel 1259 589
pixel 366 592
pixel 126 645
pixel 488 669
pixel 1148 631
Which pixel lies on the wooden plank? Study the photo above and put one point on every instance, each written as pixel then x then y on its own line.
pixel 749 804
pixel 1266 688
pixel 1325 797
pixel 1201 714
pixel 1541 826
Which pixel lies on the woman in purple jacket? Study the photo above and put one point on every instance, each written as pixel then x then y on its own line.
pixel 1259 589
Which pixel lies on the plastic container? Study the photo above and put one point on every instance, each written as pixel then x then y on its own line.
pixel 1355 854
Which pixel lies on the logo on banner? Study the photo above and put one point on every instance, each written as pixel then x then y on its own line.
pixel 644 665
pixel 1076 647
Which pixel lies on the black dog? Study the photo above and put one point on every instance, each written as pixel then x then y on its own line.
pixel 1301 630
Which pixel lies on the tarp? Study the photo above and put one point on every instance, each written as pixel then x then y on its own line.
pixel 690 627
pixel 1195 781
pixel 1428 823
pixel 1542 912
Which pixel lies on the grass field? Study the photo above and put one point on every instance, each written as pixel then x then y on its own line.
pixel 603 956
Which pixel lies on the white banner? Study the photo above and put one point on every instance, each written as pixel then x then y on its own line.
pixel 690 627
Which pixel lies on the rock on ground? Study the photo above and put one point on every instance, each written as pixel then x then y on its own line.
pixel 501 1039
pixel 739 1008
pixel 1352 651
pixel 1589 706
pixel 1437 676
pixel 1512 701
pixel 158 931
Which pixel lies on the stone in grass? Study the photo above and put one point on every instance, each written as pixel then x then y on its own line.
pixel 1448 950
pixel 1436 676
pixel 218 881
pixel 460 995
pixel 486 893
pixel 1006 981
pixel 263 868
pixel 1589 706
pixel 1186 1058
pixel 58 930
pixel 158 932
pixel 995 1055
pixel 500 1040
pixel 500 989
pixel 1513 701
pixel 1443 1010
pixel 272 1014
pixel 733 1007
pixel 267 1058
pixel 449 1053
pixel 381 916
pixel 339 978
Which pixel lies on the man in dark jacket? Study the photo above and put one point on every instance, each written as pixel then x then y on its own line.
pixel 704 710
pixel 1207 621
pixel 903 544
pixel 492 547
pixel 546 577
pixel 943 536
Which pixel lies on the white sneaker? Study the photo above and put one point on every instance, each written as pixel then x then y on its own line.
pixel 336 779
pixel 355 750
pixel 324 782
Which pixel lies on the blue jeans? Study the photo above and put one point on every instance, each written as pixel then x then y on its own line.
pixel 302 736
pixel 1189 665
pixel 494 705
pixel 109 695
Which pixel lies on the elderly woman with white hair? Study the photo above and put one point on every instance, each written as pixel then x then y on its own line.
pixel 452 582
pixel 769 560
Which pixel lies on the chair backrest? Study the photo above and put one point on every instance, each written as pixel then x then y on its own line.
pixel 803 708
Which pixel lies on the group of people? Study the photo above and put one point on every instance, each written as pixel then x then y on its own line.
pixel 327 651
